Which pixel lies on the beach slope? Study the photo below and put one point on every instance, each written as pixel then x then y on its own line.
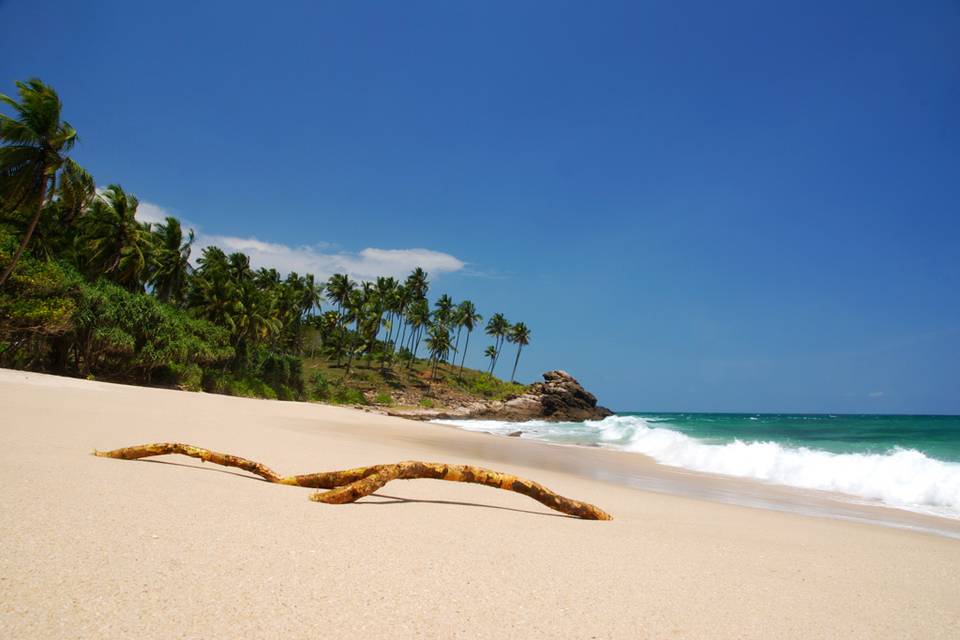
pixel 171 547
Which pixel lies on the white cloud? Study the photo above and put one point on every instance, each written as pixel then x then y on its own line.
pixel 876 394
pixel 317 259
pixel 149 212
pixel 365 265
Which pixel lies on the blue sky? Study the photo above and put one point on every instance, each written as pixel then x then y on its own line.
pixel 743 206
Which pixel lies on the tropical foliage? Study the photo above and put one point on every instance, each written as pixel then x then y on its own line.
pixel 92 290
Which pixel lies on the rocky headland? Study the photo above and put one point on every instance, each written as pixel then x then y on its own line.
pixel 559 398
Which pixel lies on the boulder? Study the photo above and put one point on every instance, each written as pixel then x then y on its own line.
pixel 559 398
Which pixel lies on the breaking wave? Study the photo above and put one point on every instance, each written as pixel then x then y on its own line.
pixel 900 477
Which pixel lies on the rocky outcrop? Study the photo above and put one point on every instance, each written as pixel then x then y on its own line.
pixel 559 398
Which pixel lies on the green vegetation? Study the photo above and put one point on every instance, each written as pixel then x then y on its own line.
pixel 89 290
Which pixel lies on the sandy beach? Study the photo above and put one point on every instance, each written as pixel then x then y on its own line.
pixel 173 548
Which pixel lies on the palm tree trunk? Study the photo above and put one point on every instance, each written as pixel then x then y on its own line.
pixel 496 358
pixel 403 330
pixel 30 229
pixel 466 345
pixel 514 374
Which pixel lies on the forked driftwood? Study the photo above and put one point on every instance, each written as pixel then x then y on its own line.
pixel 350 485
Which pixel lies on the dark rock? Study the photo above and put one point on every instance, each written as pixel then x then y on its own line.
pixel 559 398
pixel 515 434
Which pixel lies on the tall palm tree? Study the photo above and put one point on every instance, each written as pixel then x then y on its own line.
pixel 491 354
pixel 418 316
pixel 55 233
pixel 439 344
pixel 444 310
pixel 238 266
pixel 338 289
pixel 497 327
pixel 34 144
pixel 469 319
pixel 385 288
pixel 212 293
pixel 418 284
pixel 115 243
pixel 519 335
pixel 77 191
pixel 171 261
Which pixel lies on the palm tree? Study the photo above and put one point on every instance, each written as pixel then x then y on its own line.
pixel 469 319
pixel 339 287
pixel 491 354
pixel 212 293
pixel 418 316
pixel 33 153
pixel 439 344
pixel 238 266
pixel 77 191
pixel 444 310
pixel 116 244
pixel 418 284
pixel 497 328
pixel 55 232
pixel 520 335
pixel 385 288
pixel 171 262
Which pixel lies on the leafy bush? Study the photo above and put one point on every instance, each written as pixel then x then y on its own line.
pixel 384 398
pixel 426 403
pixel 319 387
pixel 491 387
pixel 346 395
pixel 188 377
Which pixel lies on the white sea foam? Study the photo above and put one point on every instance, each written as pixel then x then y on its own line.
pixel 903 478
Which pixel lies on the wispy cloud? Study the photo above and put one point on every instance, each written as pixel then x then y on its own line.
pixel 149 212
pixel 319 259
pixel 876 394
pixel 364 265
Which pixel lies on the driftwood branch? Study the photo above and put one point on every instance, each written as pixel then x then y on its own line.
pixel 350 485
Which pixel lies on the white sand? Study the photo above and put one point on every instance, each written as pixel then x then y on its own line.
pixel 99 548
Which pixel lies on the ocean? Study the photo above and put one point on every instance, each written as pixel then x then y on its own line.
pixel 908 462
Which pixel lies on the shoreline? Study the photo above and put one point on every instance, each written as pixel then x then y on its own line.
pixel 640 471
pixel 111 548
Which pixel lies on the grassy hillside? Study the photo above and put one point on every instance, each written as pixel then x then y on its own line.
pixel 400 386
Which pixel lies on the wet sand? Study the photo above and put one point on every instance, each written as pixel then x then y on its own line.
pixel 171 547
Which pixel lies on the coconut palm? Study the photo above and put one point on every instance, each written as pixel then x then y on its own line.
pixel 212 292
pixel 34 146
pixel 468 319
pixel 77 191
pixel 116 244
pixel 418 284
pixel 438 344
pixel 519 335
pixel 497 327
pixel 491 354
pixel 443 312
pixel 55 232
pixel 418 316
pixel 339 287
pixel 384 288
pixel 171 261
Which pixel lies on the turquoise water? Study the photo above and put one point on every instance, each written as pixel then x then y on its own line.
pixel 909 462
pixel 936 436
